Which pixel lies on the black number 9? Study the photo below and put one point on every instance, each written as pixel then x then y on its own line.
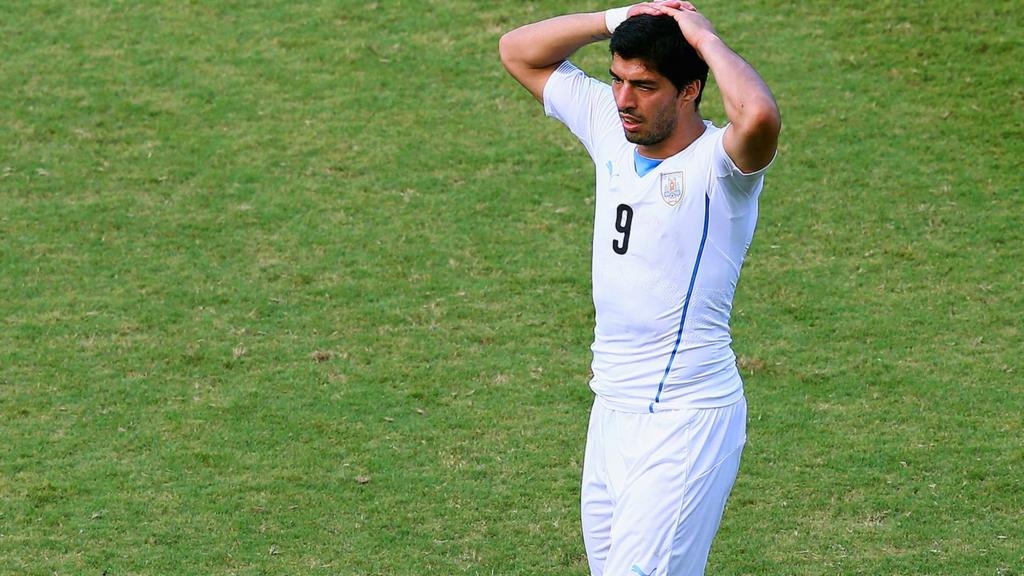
pixel 623 223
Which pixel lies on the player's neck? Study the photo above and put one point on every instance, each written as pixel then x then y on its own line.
pixel 689 128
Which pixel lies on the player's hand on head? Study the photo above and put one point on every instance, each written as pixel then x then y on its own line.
pixel 694 25
pixel 651 8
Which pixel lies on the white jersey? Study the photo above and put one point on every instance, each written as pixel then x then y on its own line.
pixel 668 247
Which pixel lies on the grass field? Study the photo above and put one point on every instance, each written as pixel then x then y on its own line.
pixel 303 288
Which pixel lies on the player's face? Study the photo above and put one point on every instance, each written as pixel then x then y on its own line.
pixel 648 102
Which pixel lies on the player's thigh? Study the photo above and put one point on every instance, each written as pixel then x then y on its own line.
pixel 645 520
pixel 718 439
pixel 672 505
pixel 700 518
pixel 596 501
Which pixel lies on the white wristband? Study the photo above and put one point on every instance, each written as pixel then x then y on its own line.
pixel 615 16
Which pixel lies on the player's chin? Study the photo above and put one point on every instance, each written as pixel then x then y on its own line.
pixel 635 137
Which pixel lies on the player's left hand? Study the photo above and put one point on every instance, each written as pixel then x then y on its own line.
pixel 695 26
pixel 652 7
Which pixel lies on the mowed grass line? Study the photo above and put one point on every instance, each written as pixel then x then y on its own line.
pixel 305 289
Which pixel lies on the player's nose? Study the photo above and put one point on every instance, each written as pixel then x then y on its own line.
pixel 625 98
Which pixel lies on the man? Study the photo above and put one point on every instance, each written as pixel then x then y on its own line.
pixel 676 207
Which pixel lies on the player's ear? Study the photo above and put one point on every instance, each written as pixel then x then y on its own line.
pixel 689 93
pixel 692 90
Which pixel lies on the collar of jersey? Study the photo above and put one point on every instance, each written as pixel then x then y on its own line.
pixel 644 164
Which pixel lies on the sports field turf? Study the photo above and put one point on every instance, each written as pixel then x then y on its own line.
pixel 303 288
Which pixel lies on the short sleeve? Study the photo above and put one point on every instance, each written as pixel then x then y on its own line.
pixel 583 104
pixel 729 176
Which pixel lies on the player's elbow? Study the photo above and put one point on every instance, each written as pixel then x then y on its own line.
pixel 517 51
pixel 763 118
pixel 758 125
pixel 755 136
pixel 508 49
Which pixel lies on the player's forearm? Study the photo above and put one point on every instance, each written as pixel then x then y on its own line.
pixel 530 53
pixel 749 103
pixel 550 41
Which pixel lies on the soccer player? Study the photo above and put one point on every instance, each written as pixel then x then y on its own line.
pixel 675 211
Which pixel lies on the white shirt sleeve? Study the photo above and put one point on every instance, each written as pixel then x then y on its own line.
pixel 729 176
pixel 583 104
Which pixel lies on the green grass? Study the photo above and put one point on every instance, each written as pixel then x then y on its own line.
pixel 303 288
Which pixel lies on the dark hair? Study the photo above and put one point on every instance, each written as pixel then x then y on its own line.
pixel 657 41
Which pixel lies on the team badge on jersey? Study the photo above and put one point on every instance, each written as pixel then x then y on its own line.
pixel 672 188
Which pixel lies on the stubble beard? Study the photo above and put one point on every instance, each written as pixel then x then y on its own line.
pixel 661 127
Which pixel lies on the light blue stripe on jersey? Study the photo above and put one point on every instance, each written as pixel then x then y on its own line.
pixel 686 304
pixel 644 164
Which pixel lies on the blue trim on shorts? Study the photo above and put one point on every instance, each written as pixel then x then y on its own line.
pixel 686 304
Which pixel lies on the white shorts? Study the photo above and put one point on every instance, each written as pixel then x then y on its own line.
pixel 655 485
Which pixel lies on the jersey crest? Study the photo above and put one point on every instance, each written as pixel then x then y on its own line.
pixel 673 188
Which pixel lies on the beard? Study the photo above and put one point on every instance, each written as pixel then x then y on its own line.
pixel 654 130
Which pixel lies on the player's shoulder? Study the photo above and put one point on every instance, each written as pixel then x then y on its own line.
pixel 569 75
pixel 708 148
pixel 569 88
pixel 712 136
